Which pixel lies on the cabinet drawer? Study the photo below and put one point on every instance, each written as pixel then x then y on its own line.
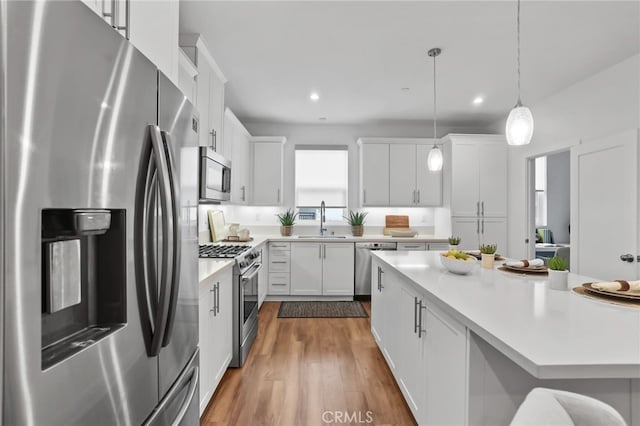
pixel 438 246
pixel 279 283
pixel 280 246
pixel 279 262
pixel 412 246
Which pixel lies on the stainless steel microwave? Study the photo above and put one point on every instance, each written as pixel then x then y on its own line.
pixel 215 176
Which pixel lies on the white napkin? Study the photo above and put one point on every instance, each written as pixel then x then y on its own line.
pixel 525 263
pixel 619 285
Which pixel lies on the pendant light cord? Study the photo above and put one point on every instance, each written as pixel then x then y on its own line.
pixel 435 111
pixel 518 26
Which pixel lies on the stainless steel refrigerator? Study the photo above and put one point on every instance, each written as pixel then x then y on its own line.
pixel 98 179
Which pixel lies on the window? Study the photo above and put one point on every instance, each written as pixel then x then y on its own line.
pixel 321 174
pixel 541 191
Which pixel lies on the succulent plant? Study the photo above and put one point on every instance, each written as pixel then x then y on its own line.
pixel 558 264
pixel 287 218
pixel 488 248
pixel 356 218
pixel 454 241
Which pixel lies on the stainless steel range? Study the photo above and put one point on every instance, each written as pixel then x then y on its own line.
pixel 248 263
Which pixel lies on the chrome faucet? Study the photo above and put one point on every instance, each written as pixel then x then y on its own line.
pixel 323 218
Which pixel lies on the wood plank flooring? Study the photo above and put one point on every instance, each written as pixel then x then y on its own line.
pixel 309 371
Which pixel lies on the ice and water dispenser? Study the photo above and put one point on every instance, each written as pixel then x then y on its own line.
pixel 83 279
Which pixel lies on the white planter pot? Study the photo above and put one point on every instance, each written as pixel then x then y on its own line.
pixel 453 247
pixel 488 260
pixel 558 280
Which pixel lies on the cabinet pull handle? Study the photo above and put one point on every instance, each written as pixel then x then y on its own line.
pixel 324 250
pixel 278 261
pixel 218 298
pixel 477 208
pixel 278 194
pixel 418 196
pixel 482 208
pixel 279 284
pixel 364 196
pixel 482 226
pixel 415 314
pixel 477 226
pixel 320 251
pixel 414 197
pixel 243 192
pixel 212 291
pixel 420 329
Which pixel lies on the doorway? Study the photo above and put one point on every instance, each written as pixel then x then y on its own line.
pixel 549 205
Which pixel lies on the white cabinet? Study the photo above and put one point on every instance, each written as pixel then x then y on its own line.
pixel 187 73
pixel 394 173
pixel 210 89
pixel 322 269
pixel 236 148
pixel 215 331
pixel 411 246
pixel 425 348
pixel 375 174
pixel 263 275
pixel 478 175
pixel 279 268
pixel 477 172
pixel 153 28
pixel 267 176
pixel 474 231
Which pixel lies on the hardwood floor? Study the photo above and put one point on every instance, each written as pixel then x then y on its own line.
pixel 309 372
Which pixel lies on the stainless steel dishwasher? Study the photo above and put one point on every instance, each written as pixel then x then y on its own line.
pixel 363 267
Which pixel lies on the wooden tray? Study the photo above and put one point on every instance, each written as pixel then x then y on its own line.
pixel 523 270
pixel 608 298
pixel 396 221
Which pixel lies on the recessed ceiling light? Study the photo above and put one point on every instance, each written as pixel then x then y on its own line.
pixel 478 100
pixel 322 118
pixel 314 96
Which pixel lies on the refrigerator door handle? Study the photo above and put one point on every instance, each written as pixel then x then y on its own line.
pixel 175 236
pixel 164 185
pixel 190 395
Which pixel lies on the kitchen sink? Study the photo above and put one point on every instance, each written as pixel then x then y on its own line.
pixel 322 236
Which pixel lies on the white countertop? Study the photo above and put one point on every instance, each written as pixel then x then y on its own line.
pixel 549 333
pixel 421 238
pixel 209 267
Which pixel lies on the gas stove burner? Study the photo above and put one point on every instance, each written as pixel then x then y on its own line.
pixel 223 251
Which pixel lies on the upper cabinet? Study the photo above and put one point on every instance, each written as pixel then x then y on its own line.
pixel 236 148
pixel 267 164
pixel 150 25
pixel 394 173
pixel 187 73
pixel 210 84
pixel 478 172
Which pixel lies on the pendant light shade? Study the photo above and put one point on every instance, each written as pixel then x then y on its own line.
pixel 519 128
pixel 435 158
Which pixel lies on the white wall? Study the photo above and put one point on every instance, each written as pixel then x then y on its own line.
pixel 558 195
pixel 603 104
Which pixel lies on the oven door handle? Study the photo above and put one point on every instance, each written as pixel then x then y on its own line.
pixel 256 268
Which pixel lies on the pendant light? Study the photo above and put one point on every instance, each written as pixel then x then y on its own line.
pixel 519 128
pixel 435 159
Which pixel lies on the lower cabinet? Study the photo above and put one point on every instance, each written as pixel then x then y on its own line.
pixel 322 269
pixel 215 331
pixel 424 347
pixel 263 275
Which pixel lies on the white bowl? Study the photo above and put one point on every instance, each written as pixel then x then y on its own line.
pixel 457 266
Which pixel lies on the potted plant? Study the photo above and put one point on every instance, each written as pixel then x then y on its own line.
pixel 356 220
pixel 558 273
pixel 488 253
pixel 454 242
pixel 287 220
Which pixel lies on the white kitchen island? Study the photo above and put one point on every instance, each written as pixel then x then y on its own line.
pixel 467 349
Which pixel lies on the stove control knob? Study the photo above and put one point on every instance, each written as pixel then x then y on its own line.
pixel 243 264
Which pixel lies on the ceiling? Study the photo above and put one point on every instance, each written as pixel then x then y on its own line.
pixel 358 55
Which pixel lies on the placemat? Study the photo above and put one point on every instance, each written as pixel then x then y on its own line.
pixel 607 299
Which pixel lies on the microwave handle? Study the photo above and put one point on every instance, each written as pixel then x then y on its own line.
pixel 226 179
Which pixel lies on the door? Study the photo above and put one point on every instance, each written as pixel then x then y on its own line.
pixel 375 174
pixel 175 119
pixel 73 142
pixel 338 269
pixel 267 173
pixel 604 207
pixel 468 229
pixel 465 171
pixel 222 332
pixel 492 158
pixel 402 175
pixel 306 269
pixel 428 183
